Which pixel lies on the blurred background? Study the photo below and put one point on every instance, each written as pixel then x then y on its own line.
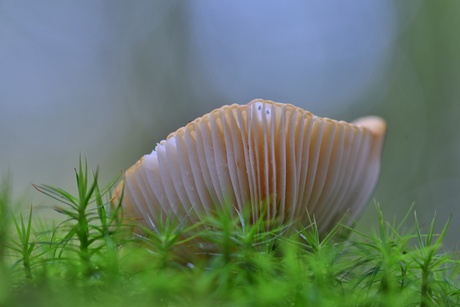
pixel 110 79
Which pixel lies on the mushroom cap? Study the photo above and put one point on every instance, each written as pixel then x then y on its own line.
pixel 264 156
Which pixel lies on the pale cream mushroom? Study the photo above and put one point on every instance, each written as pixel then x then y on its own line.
pixel 274 157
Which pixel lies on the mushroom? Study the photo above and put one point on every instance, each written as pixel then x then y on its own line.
pixel 273 157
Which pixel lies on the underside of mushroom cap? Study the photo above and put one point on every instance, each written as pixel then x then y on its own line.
pixel 273 158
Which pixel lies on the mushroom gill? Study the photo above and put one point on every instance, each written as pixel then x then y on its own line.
pixel 273 157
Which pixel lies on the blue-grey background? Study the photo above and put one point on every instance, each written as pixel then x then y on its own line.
pixel 110 79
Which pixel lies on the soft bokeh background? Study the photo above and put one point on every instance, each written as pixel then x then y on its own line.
pixel 110 79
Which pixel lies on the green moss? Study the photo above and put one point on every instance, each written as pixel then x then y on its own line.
pixel 88 259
